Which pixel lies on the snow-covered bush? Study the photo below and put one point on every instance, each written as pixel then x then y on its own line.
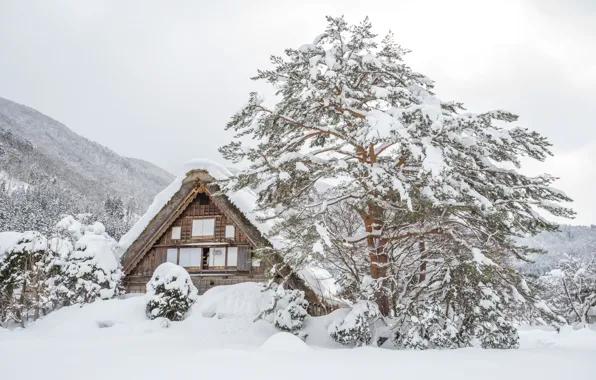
pixel 496 332
pixel 170 293
pixel 287 310
pixel 91 270
pixel 355 329
pixel 25 272
pixel 479 301
pixel 427 327
pixel 571 288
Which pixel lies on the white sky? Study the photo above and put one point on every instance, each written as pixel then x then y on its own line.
pixel 158 80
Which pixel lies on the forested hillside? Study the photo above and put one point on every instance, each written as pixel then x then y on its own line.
pixel 47 170
pixel 574 241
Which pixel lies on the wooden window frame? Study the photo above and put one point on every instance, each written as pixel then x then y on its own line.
pixel 179 233
pixel 233 232
pixel 203 236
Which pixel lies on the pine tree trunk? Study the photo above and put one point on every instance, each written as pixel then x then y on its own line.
pixel 378 256
pixel 21 305
pixel 36 315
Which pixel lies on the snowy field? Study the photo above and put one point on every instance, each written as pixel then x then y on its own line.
pixel 114 340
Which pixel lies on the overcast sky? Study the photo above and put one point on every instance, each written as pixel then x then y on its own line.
pixel 158 80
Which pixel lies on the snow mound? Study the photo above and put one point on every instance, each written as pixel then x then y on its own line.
pixel 284 341
pixel 215 169
pixel 70 227
pixel 97 248
pixel 173 277
pixel 170 293
pixel 7 240
pixel 29 241
pixel 568 337
pixel 112 315
pixel 240 300
pixel 320 281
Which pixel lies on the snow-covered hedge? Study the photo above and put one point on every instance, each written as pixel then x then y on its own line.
pixel 92 270
pixel 25 279
pixel 170 293
pixel 287 310
pixel 355 328
pixel 426 327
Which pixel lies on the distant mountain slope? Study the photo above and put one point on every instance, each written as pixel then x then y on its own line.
pixel 570 240
pixel 33 144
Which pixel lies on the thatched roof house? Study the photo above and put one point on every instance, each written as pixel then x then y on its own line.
pixel 214 236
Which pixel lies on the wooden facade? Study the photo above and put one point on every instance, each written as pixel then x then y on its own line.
pixel 194 230
pixel 220 253
pixel 201 208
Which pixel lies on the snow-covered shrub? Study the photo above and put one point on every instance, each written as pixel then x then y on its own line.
pixel 479 304
pixel 170 293
pixel 496 332
pixel 91 270
pixel 355 328
pixel 24 274
pixel 427 327
pixel 571 288
pixel 287 310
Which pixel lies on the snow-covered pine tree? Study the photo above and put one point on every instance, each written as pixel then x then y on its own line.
pixel 431 183
pixel 91 270
pixel 287 310
pixel 24 274
pixel 170 293
pixel 61 242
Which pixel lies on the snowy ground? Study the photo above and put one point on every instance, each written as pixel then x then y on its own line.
pixel 113 340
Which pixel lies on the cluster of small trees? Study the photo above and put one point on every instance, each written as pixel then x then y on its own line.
pixel 76 264
pixel 414 204
pixel 571 289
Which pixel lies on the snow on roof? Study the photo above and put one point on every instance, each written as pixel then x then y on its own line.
pixel 244 199
pixel 95 245
pixel 159 202
pixel 7 240
pixel 321 282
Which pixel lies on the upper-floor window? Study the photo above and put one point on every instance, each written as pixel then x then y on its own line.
pixel 230 231
pixel 203 227
pixel 176 232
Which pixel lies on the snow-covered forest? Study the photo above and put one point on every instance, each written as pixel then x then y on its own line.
pixel 435 241
pixel 47 171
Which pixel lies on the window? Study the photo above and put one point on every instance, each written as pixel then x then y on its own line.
pixel 230 231
pixel 196 257
pixel 184 257
pixel 172 256
pixel 217 257
pixel 203 227
pixel 176 231
pixel 232 256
